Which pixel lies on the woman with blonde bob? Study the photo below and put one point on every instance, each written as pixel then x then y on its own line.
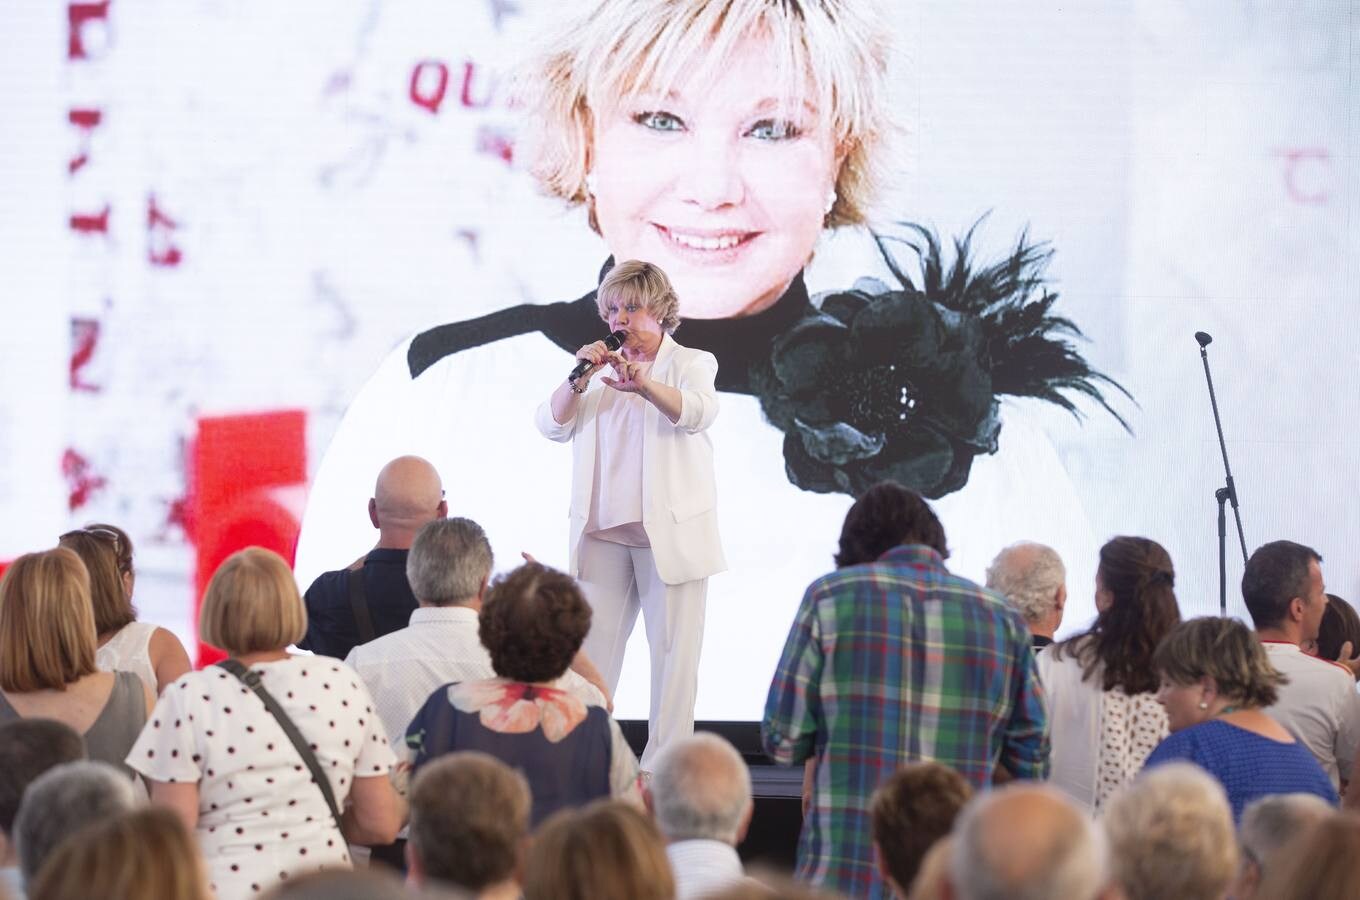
pixel 214 753
pixel 644 520
pixel 1216 683
pixel 123 643
pixel 47 657
pixel 134 856
pixel 605 851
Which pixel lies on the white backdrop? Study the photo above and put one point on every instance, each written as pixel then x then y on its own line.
pixel 1194 165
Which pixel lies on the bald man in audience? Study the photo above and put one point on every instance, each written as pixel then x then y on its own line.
pixel 700 796
pixel 1033 579
pixel 1027 840
pixel 372 597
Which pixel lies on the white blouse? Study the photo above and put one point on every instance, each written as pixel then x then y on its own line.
pixel 129 650
pixel 1100 738
pixel 616 491
pixel 261 819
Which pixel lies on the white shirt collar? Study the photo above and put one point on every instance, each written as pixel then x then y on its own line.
pixel 425 615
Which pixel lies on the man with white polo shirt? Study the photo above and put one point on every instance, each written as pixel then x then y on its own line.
pixel 1284 593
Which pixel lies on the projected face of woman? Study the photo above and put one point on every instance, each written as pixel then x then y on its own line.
pixel 718 181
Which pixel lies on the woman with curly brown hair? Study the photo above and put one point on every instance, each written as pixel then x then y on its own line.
pixel 1216 682
pixel 532 623
pixel 1103 712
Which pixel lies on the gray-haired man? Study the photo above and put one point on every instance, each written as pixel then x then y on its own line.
pixel 1032 579
pixel 700 796
pixel 449 566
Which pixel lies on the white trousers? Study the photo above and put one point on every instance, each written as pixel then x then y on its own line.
pixel 619 581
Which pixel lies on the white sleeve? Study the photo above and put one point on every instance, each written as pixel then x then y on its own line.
pixel 698 397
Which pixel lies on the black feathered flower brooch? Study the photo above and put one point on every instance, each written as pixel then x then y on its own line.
pixel 902 382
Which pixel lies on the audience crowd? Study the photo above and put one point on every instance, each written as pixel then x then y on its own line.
pixel 448 738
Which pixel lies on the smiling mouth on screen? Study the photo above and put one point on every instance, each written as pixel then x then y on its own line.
pixel 712 247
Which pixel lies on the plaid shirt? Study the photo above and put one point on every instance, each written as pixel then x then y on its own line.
pixel 894 662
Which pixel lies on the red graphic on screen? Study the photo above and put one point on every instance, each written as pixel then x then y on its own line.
pixel 160 249
pixel 79 16
pixel 86 120
pixel 92 223
pixel 1303 174
pixel 429 83
pixel 82 482
pixel 470 70
pixel 236 466
pixel 84 342
pixel 494 142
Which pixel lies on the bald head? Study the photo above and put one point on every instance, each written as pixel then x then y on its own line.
pixel 408 494
pixel 1026 842
pixel 1032 578
pixel 701 789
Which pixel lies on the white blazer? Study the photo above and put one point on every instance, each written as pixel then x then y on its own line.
pixel 679 496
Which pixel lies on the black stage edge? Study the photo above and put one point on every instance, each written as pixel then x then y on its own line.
pixel 773 836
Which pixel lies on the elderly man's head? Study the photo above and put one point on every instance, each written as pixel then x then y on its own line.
pixel 63 800
pixel 1267 825
pixel 449 563
pixel 407 495
pixel 1026 842
pixel 701 790
pixel 1171 835
pixel 1032 578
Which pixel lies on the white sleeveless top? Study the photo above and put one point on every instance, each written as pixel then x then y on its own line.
pixel 129 651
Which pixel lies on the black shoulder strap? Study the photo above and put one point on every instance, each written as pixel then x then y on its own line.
pixel 358 601
pixel 252 680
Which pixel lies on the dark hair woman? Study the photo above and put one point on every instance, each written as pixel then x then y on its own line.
pixel 532 623
pixel 1103 712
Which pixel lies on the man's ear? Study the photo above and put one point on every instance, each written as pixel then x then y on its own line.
pixel 1296 609
pixel 648 801
pixel 373 512
pixel 1060 598
pixel 443 510
pixel 745 825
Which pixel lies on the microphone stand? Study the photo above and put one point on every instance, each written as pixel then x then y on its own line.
pixel 1227 493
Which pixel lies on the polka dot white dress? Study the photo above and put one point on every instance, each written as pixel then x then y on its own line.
pixel 260 817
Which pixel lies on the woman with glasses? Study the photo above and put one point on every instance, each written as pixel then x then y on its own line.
pixel 124 644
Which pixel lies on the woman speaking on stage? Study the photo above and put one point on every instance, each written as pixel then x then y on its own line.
pixel 644 523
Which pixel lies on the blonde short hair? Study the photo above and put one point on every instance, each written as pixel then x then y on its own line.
pixel 47 637
pixel 1225 650
pixel 1171 834
pixel 252 604
pixel 833 52
pixel 145 853
pixel 643 283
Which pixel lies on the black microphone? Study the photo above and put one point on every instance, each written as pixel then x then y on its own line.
pixel 1203 338
pixel 611 343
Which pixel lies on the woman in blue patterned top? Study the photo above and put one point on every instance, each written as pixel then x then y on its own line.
pixel 1216 683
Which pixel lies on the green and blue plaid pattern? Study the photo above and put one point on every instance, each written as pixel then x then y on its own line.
pixel 894 662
